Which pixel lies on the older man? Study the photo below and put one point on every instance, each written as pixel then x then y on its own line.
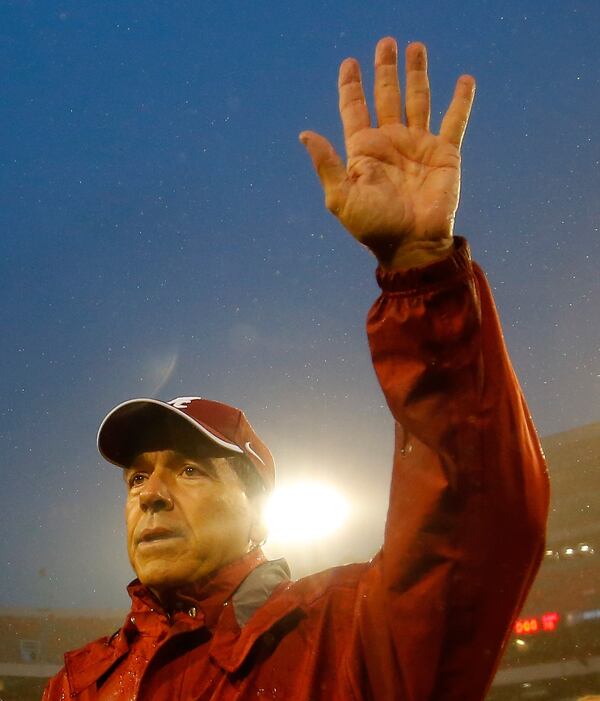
pixel 427 617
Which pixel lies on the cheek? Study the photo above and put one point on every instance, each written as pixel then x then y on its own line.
pixel 232 506
pixel 223 517
pixel 131 519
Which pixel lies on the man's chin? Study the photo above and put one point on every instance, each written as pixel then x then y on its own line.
pixel 161 579
pixel 160 573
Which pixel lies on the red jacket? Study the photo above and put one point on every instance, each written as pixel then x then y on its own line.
pixel 426 619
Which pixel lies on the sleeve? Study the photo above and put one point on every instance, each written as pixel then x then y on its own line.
pixel 469 495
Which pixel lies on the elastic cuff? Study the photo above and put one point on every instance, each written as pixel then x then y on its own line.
pixel 455 265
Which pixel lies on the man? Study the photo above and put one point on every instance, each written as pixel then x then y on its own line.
pixel 428 616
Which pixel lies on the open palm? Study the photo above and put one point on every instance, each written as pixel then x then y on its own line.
pixel 400 187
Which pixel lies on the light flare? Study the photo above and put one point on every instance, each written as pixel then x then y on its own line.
pixel 305 512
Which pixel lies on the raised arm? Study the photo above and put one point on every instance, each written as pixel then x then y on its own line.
pixel 465 527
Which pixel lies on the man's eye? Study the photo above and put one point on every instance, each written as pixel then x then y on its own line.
pixel 137 479
pixel 192 471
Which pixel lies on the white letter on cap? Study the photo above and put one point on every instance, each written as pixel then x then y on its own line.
pixel 182 402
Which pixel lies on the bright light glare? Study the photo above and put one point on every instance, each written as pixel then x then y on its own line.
pixel 305 512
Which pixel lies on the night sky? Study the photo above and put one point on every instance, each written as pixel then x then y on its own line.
pixel 163 234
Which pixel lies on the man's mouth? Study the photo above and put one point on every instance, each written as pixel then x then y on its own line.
pixel 152 535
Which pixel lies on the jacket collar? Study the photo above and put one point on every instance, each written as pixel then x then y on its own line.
pixel 204 598
pixel 231 644
pixel 211 600
pixel 210 595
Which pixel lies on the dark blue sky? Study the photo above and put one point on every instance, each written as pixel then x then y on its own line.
pixel 163 234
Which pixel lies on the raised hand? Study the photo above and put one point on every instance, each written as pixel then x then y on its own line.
pixel 399 191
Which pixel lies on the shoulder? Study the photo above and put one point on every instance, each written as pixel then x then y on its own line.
pixel 334 588
pixel 337 582
pixel 305 609
pixel 57 687
pixel 82 665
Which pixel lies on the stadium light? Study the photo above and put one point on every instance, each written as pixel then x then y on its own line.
pixel 305 512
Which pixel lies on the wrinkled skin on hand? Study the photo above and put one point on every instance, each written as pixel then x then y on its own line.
pixel 399 190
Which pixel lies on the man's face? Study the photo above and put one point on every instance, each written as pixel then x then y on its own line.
pixel 185 518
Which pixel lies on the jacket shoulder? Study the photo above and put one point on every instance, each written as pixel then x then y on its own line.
pixel 310 589
pixel 56 687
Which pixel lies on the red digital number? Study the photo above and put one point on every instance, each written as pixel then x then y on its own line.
pixel 550 620
pixel 528 626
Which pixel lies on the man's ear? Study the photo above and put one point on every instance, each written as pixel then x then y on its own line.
pixel 258 528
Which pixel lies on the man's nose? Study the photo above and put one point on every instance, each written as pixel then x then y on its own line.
pixel 155 495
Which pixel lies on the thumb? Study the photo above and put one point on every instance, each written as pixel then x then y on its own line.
pixel 330 169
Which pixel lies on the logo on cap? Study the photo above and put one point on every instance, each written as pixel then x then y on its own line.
pixel 248 448
pixel 182 402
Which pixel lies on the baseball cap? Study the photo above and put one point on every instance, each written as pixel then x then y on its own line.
pixel 213 428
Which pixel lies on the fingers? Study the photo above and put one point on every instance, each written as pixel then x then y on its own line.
pixel 388 106
pixel 329 167
pixel 418 96
pixel 353 106
pixel 456 118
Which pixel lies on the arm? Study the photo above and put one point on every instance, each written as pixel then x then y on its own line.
pixel 465 527
pixel 464 533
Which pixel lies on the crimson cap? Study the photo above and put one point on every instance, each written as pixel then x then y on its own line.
pixel 214 428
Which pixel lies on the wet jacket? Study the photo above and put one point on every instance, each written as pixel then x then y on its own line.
pixel 427 618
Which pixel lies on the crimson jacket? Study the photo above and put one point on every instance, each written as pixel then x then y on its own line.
pixel 427 618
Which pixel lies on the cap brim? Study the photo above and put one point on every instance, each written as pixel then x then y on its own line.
pixel 139 425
